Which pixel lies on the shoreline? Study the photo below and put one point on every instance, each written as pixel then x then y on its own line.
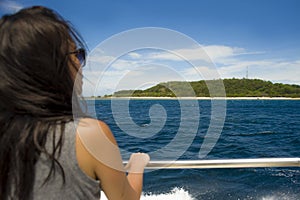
pixel 193 98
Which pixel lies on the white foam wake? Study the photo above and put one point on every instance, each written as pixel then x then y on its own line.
pixel 174 194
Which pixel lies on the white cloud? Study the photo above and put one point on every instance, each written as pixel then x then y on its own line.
pixel 219 51
pixel 10 6
pixel 141 68
pixel 140 77
pixel 284 72
pixel 273 70
pixel 164 56
pixel 200 72
pixel 189 54
pixel 101 59
pixel 122 64
pixel 134 55
pixel 206 53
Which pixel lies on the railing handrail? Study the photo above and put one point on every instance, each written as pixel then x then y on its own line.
pixel 224 163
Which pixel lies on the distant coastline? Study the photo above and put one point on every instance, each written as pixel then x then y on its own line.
pixel 236 88
pixel 248 89
pixel 194 98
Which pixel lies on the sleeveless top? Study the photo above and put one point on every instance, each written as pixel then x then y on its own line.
pixel 77 184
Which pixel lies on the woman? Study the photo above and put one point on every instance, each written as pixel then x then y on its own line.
pixel 43 155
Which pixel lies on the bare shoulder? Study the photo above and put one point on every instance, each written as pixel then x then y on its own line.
pixel 97 149
pixel 90 125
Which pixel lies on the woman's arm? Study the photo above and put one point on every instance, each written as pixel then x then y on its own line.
pixel 99 157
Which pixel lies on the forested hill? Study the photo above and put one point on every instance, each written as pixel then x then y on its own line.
pixel 234 88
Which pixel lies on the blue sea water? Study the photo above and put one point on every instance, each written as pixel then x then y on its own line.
pixel 252 129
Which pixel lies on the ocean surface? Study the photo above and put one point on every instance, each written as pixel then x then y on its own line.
pixel 252 129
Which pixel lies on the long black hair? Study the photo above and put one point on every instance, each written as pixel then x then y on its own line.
pixel 36 91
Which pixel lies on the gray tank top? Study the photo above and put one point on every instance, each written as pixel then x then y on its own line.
pixel 77 184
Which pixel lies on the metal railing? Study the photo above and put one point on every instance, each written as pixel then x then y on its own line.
pixel 224 163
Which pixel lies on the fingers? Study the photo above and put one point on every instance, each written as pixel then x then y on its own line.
pixel 137 162
pixel 127 166
pixel 141 156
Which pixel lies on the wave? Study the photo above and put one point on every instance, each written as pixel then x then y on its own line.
pixel 262 133
pixel 281 197
pixel 181 194
pixel 174 194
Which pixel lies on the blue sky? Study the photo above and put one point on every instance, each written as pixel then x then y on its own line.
pixel 261 35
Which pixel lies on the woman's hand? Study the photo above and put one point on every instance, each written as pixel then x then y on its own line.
pixel 137 162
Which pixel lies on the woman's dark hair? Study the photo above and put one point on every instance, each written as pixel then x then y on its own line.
pixel 36 91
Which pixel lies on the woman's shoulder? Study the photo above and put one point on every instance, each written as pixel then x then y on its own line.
pixel 94 128
pixel 91 124
pixel 96 146
pixel 84 122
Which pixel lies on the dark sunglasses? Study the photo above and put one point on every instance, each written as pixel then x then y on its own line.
pixel 80 55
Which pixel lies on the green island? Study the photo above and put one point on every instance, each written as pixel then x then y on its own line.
pixel 234 88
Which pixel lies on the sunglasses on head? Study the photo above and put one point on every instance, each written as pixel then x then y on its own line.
pixel 80 55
